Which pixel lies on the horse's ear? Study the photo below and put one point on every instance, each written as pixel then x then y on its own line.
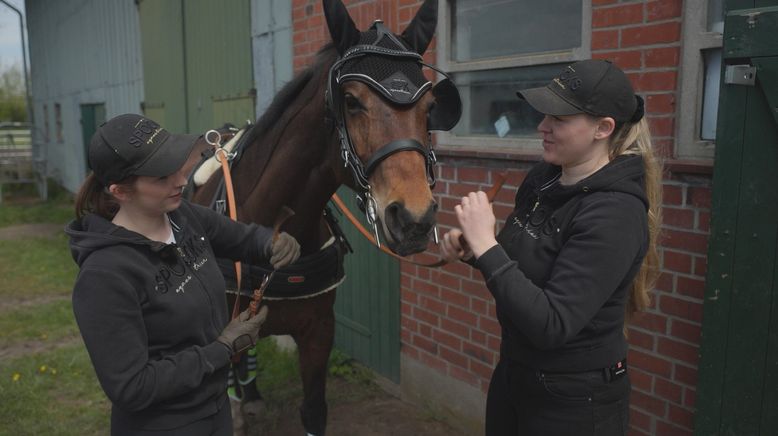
pixel 342 28
pixel 419 33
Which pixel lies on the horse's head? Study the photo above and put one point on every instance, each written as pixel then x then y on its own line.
pixel 380 101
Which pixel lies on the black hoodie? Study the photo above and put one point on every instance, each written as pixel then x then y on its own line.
pixel 150 313
pixel 563 269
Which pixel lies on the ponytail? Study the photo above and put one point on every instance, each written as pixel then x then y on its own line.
pixel 635 139
pixel 93 197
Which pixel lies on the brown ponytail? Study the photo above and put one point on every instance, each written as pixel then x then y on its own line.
pixel 635 138
pixel 93 197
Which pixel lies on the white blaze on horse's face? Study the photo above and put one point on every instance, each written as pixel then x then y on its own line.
pixel 406 208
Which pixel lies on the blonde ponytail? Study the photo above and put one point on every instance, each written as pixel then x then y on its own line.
pixel 635 138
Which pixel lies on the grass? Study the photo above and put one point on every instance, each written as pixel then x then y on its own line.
pixel 55 212
pixel 21 205
pixel 52 393
pixel 46 323
pixel 35 267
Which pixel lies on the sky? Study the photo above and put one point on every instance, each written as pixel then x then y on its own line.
pixel 10 39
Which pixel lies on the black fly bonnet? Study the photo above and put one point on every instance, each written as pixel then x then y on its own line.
pixel 383 62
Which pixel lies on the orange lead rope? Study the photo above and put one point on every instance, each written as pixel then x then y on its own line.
pixel 499 180
pixel 222 157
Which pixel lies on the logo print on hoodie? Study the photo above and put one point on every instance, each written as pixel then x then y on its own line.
pixel 190 250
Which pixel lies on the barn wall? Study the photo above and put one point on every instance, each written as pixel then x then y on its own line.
pixel 80 53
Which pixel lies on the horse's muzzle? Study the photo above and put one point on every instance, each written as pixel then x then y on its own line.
pixel 408 235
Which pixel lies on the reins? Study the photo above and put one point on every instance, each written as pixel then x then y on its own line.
pixel 491 194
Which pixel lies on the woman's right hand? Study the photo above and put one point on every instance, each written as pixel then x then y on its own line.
pixel 452 248
pixel 242 332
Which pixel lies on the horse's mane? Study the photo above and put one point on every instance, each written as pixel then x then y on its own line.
pixel 289 93
pixel 263 138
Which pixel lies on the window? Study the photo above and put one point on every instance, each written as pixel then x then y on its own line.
pixel 700 78
pixel 58 121
pixel 492 48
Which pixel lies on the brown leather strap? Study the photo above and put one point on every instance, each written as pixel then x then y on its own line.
pixel 499 180
pixel 221 156
pixel 259 292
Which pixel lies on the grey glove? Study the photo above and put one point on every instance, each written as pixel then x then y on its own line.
pixel 242 333
pixel 284 250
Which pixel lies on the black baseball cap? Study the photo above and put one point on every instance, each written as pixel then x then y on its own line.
pixel 596 87
pixel 133 145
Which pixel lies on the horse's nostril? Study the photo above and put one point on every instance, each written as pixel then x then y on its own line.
pixel 402 225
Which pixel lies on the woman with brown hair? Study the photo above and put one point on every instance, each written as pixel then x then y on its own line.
pixel 575 259
pixel 149 298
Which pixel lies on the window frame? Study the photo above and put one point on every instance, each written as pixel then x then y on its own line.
pixel 521 145
pixel 694 40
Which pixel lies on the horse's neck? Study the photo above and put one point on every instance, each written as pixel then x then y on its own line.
pixel 301 175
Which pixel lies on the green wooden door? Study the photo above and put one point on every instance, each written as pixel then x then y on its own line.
pixel 164 75
pixel 738 374
pixel 367 310
pixel 92 116
pixel 197 64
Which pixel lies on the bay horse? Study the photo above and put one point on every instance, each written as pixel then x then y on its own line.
pixel 359 116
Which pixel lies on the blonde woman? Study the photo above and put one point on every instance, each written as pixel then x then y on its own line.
pixel 574 260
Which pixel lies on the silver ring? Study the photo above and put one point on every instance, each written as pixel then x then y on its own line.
pixel 218 138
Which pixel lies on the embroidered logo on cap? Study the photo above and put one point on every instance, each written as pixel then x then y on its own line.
pixel 568 78
pixel 145 132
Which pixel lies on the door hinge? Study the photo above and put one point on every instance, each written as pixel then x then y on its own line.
pixel 740 75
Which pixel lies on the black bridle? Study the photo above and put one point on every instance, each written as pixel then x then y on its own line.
pixel 362 171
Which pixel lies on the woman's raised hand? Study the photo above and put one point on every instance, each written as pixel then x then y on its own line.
pixel 477 221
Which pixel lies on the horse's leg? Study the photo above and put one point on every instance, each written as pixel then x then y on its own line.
pixel 314 343
pixel 252 404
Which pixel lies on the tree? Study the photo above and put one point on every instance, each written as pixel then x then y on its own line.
pixel 13 103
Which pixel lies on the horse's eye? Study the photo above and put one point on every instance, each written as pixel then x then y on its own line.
pixel 353 104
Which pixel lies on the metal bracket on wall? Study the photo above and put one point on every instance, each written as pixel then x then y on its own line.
pixel 740 75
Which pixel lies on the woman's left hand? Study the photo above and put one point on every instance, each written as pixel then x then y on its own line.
pixel 285 250
pixel 477 221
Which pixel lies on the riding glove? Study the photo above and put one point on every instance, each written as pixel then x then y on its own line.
pixel 284 250
pixel 242 333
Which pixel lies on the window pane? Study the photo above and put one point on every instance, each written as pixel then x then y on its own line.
pixel 487 96
pixel 484 29
pixel 716 16
pixel 710 99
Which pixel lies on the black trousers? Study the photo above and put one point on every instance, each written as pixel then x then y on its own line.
pixel 528 402
pixel 219 424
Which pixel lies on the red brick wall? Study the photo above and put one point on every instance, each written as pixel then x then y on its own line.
pixel 448 316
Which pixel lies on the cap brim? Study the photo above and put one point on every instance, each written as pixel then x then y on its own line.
pixel 546 101
pixel 169 157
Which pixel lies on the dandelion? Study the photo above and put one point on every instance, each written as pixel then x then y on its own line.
pixel 53 371
pixel 44 336
pixel 16 376
pixel 42 369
